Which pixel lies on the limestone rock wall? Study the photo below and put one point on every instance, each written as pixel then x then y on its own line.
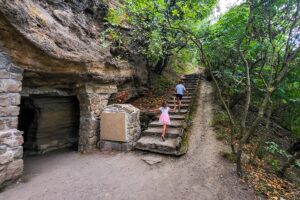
pixel 11 140
pixel 52 38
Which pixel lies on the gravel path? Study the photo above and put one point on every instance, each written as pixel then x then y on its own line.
pixel 201 174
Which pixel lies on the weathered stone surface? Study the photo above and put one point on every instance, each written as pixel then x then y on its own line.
pixel 9 111
pixel 4 74
pixel 54 34
pixel 9 85
pixel 119 123
pixel 18 152
pixel 113 127
pixel 13 171
pixel 8 123
pixel 6 157
pixel 6 133
pixel 12 141
pixel 151 160
pixel 9 99
pixel 103 89
pixel 15 76
pixel 4 100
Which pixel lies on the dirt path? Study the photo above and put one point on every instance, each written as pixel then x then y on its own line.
pixel 201 174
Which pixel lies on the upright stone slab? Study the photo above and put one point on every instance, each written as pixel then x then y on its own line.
pixel 119 127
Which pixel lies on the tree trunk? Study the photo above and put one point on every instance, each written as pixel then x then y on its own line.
pixel 239 163
pixel 161 65
pixel 166 61
pixel 148 66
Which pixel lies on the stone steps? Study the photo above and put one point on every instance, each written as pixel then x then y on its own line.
pixel 183 98
pixel 174 123
pixel 155 144
pixel 182 111
pixel 174 117
pixel 171 132
pixel 182 105
pixel 151 138
pixel 183 101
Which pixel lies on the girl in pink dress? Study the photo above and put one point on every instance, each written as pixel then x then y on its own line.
pixel 164 118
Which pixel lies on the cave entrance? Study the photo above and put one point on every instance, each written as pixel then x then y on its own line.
pixel 49 123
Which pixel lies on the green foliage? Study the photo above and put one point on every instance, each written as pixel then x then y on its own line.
pixel 287 102
pixel 155 26
pixel 274 163
pixel 161 84
pixel 269 38
pixel 220 118
pixel 274 148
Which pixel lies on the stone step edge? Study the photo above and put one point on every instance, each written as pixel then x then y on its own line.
pixel 157 133
pixel 166 151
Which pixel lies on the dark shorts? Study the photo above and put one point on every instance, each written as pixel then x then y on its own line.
pixel 179 96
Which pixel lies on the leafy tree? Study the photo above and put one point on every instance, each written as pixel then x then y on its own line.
pixel 154 26
pixel 251 50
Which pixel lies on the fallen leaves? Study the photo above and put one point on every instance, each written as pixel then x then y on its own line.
pixel 151 100
pixel 269 185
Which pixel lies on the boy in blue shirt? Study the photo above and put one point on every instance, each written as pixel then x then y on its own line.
pixel 180 89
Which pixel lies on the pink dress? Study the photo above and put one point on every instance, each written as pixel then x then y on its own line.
pixel 164 117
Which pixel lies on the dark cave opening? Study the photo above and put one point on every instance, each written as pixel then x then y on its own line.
pixel 49 123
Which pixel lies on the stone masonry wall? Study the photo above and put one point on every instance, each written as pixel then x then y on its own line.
pixel 92 99
pixel 11 139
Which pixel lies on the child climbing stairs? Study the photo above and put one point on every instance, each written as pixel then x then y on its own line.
pixel 151 137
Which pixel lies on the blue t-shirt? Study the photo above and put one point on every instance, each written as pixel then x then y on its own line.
pixel 180 89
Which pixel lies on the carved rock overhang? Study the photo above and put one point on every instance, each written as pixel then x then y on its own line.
pixel 46 62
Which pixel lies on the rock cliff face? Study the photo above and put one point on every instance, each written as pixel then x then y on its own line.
pixel 51 49
pixel 62 37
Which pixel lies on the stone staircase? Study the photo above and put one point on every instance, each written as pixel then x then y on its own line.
pixel 151 138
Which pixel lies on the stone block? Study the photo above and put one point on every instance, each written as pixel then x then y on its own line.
pixel 89 124
pixel 4 60
pixel 9 85
pixel 14 69
pixel 88 133
pixel 6 157
pixel 119 131
pixel 4 74
pixel 3 149
pixel 14 169
pixel 10 139
pixel 18 77
pixel 113 127
pixel 5 134
pixel 9 99
pixel 17 152
pixel 9 111
pixel 15 99
pixel 4 100
pixel 8 123
pixel 92 140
